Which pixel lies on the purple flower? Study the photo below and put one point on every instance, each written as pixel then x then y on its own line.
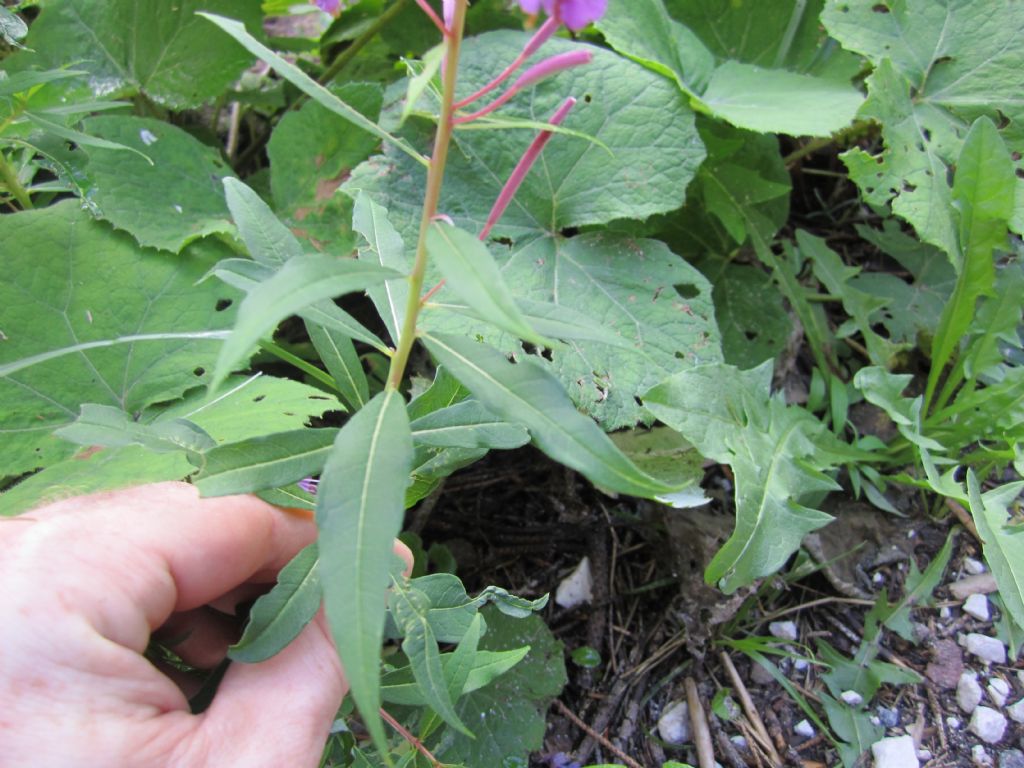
pixel 576 14
pixel 308 484
pixel 332 7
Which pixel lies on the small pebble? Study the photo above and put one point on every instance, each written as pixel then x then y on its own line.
pixel 953 723
pixel 968 692
pixel 986 648
pixel 924 754
pixel 977 606
pixel 980 757
pixel 945 612
pixel 878 578
pixel 998 690
pixel 973 567
pixel 804 728
pixel 895 752
pixel 1011 758
pixel 760 675
pixel 988 725
pixel 983 583
pixel 784 630
pixel 1020 676
pixel 851 698
pixel 890 718
pixel 875 720
pixel 800 665
pixel 1016 711
pixel 674 723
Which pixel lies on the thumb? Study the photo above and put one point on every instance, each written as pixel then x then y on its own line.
pixel 279 711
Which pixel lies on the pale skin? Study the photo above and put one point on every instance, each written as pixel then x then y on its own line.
pixel 87 581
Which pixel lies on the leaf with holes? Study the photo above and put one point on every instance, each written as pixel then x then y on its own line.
pixel 91 317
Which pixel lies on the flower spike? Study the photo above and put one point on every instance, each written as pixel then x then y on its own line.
pixel 522 168
pixel 539 71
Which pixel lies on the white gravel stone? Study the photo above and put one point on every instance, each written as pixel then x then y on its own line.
pixel 799 665
pixel 988 725
pixel 986 648
pixel 1016 711
pixel 739 742
pixel 674 723
pixel 945 612
pixel 977 606
pixel 784 630
pixel 953 723
pixel 924 754
pixel 973 567
pixel 980 757
pixel 576 588
pixel 804 728
pixel 851 698
pixel 968 692
pixel 998 690
pixel 760 675
pixel 895 752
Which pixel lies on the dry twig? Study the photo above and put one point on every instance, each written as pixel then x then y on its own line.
pixel 699 723
pixel 596 736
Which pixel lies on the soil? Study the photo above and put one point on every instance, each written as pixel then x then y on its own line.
pixel 518 520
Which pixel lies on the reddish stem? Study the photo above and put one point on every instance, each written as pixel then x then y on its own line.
pixel 431 292
pixel 410 738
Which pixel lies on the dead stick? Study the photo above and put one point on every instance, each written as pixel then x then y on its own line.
pixel 749 709
pixel 701 732
pixel 964 517
pixel 603 740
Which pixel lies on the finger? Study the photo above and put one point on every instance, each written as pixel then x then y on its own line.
pixel 291 700
pixel 406 554
pixel 143 552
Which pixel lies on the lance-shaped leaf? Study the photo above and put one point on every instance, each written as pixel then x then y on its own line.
pixel 360 502
pixel 111 427
pixel 267 461
pixel 399 686
pixel 410 608
pixel 469 269
pixel 279 616
pixel 268 240
pixel 983 192
pixel 1004 549
pixel 384 246
pixel 338 354
pixel 308 85
pixel 246 274
pixel 467 424
pixel 302 281
pixel 526 394
pixel 776 453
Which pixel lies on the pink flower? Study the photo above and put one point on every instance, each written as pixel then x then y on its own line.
pixel 576 14
pixel 332 7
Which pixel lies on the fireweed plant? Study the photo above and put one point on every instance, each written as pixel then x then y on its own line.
pixel 560 240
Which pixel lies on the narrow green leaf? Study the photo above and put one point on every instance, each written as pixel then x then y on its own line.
pixel 471 273
pixel 467 425
pixel 78 137
pixel 410 608
pixel 113 428
pixel 246 274
pixel 983 190
pixel 338 353
pixel 360 502
pixel 269 241
pixel 301 282
pixel 384 247
pixel 1004 551
pixel 528 395
pixel 279 616
pixel 308 86
pixel 399 686
pixel 20 82
pixel 420 81
pixel 267 461
pixel 457 671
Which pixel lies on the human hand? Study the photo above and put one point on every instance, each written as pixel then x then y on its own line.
pixel 86 582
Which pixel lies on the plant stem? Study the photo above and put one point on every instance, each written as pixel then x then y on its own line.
pixel 435 177
pixel 814 145
pixel 298 362
pixel 9 177
pixel 360 42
